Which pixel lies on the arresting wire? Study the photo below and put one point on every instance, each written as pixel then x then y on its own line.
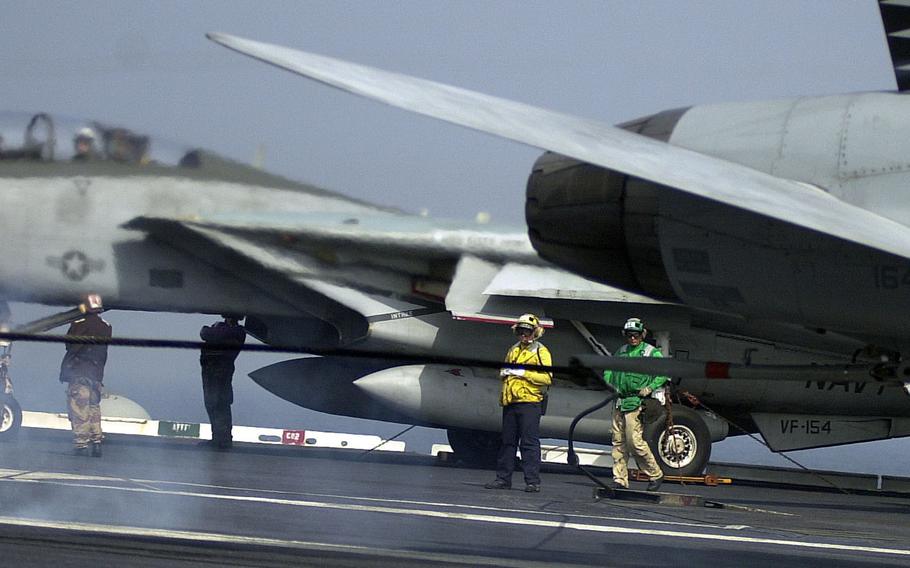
pixel 302 349
pixel 387 440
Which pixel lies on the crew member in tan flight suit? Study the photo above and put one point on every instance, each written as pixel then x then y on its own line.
pixel 83 371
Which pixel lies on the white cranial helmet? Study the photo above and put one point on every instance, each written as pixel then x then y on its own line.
pixel 635 325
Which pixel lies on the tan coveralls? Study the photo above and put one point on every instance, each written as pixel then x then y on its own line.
pixel 83 371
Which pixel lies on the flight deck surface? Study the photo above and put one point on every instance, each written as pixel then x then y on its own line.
pixel 151 502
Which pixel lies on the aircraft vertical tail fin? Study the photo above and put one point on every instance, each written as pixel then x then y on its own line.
pixel 896 20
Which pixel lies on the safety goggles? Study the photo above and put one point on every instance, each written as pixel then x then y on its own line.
pixel 635 334
pixel 524 331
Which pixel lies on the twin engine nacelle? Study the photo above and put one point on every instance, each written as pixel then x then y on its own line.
pixel 670 245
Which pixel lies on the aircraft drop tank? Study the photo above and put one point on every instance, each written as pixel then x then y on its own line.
pixel 463 397
pixel 325 384
pixel 428 395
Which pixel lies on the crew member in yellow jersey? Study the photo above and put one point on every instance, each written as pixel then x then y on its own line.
pixel 523 391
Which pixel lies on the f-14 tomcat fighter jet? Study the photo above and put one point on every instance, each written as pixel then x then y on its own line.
pixel 92 209
pixel 788 215
pixel 150 225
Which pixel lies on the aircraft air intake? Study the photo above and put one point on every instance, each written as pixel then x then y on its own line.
pixel 598 222
pixel 585 219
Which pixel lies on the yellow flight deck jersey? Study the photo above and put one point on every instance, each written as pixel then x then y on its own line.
pixel 526 388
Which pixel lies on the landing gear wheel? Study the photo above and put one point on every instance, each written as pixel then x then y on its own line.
pixel 475 446
pixel 10 418
pixel 686 448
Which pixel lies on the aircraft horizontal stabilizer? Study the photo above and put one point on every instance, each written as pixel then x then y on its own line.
pixel 467 301
pixel 522 280
pixel 597 143
pixel 854 373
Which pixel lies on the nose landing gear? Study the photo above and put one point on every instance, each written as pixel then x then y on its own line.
pixel 684 447
pixel 10 411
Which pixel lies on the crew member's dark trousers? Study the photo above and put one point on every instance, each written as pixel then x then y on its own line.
pixel 520 428
pixel 218 395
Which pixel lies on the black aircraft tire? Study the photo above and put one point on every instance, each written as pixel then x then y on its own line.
pixel 10 418
pixel 475 446
pixel 688 450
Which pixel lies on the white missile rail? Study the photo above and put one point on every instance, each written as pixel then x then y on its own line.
pixel 548 454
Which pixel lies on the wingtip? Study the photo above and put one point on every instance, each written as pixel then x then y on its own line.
pixel 219 37
pixel 236 43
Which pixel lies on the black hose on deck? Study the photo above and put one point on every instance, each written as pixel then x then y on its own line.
pixel 573 457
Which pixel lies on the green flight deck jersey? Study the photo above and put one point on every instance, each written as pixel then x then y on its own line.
pixel 628 384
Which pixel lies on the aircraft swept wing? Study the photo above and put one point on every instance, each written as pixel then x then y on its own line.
pixel 336 232
pixel 352 269
pixel 392 254
pixel 785 200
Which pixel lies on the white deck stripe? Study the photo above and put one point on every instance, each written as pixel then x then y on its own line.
pixel 151 484
pixel 449 505
pixel 274 542
pixel 637 531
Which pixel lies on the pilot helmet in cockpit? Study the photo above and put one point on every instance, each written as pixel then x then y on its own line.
pixel 84 144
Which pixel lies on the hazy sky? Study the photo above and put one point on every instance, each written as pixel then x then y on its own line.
pixel 148 66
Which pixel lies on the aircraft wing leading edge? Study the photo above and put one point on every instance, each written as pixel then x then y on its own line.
pixel 390 235
pixel 597 143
